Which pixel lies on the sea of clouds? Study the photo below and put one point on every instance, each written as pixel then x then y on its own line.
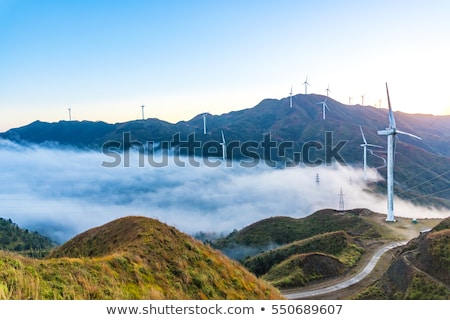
pixel 61 192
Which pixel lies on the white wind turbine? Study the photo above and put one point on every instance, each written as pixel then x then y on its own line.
pixel 224 148
pixel 324 106
pixel 391 133
pixel 306 83
pixel 366 145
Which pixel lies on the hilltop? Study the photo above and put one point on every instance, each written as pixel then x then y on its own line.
pixel 422 166
pixel 130 258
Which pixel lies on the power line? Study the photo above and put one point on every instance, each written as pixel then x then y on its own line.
pixel 428 169
pixel 424 182
pixel 430 194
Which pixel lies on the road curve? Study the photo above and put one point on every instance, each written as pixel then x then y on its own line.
pixel 347 283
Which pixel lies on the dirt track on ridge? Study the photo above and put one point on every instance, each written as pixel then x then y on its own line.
pixel 345 287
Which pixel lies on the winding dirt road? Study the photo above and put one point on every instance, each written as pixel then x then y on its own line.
pixel 302 294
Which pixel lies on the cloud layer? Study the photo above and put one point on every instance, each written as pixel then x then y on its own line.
pixel 62 192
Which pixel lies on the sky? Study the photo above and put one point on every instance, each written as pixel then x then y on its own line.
pixel 104 59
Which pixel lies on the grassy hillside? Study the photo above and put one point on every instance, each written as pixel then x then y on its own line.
pixel 14 238
pixel 421 269
pixel 314 258
pixel 272 232
pixel 299 269
pixel 130 258
pixel 338 244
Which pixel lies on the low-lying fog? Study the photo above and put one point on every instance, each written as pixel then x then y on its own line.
pixel 62 192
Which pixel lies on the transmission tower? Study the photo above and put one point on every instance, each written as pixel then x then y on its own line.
pixel 341 201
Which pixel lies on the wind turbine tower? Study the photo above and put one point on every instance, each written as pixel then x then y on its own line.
pixel 70 114
pixel 142 111
pixel 362 100
pixel 391 133
pixel 341 201
pixel 290 98
pixel 328 90
pixel 224 148
pixel 306 83
pixel 204 123
pixel 365 145
pixel 324 106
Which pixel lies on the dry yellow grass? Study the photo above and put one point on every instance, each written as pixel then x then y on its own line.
pixel 130 258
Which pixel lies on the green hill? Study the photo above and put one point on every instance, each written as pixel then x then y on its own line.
pixel 14 238
pixel 337 243
pixel 299 269
pixel 272 232
pixel 317 257
pixel 130 258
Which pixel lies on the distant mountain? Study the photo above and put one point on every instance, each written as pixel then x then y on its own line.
pixel 131 258
pixel 422 166
pixel 421 269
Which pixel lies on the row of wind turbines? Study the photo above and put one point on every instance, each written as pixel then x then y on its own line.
pixel 323 103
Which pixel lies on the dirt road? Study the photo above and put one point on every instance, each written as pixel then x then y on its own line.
pixel 403 229
pixel 346 283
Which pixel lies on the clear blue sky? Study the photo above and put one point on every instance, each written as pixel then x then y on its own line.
pixel 106 58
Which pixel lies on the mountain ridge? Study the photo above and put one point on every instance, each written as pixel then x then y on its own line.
pixel 426 161
pixel 269 115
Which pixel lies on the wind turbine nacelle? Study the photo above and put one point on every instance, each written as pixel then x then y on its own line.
pixel 386 132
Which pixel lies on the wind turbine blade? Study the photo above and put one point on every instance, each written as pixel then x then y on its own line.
pixel 374 145
pixel 391 114
pixel 394 146
pixel 223 138
pixel 362 133
pixel 408 134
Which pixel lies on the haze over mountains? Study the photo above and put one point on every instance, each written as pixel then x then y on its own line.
pixel 54 181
